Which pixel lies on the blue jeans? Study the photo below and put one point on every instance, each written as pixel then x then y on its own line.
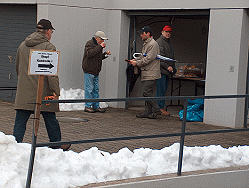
pixel 52 125
pixel 91 83
pixel 162 86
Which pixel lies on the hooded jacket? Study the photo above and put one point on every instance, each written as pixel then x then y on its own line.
pixel 149 65
pixel 27 84
pixel 93 56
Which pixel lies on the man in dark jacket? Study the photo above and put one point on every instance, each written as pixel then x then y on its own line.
pixel 91 64
pixel 27 86
pixel 167 67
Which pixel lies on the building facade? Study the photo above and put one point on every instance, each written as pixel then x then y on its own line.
pixel 215 33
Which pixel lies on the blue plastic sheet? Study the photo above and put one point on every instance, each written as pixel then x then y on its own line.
pixel 194 110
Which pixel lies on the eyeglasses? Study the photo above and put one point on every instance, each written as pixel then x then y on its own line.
pixel 52 31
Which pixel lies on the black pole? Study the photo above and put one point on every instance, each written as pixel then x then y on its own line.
pixel 246 98
pixel 246 112
pixel 129 57
pixel 182 138
pixel 31 161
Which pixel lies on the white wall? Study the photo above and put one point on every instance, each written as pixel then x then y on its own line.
pixel 178 4
pixel 74 27
pixel 227 46
pixel 113 78
pixel 143 4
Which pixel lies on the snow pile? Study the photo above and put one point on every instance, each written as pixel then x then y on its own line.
pixel 55 168
pixel 74 94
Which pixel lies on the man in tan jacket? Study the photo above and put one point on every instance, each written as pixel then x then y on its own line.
pixel 150 71
pixel 27 86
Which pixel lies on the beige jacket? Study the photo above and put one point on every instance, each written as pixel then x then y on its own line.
pixel 27 84
pixel 149 65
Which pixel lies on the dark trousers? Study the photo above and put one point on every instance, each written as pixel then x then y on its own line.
pixel 162 86
pixel 150 106
pixel 52 125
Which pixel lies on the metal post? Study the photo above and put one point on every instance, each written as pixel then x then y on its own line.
pixel 246 98
pixel 31 161
pixel 246 112
pixel 135 35
pixel 182 137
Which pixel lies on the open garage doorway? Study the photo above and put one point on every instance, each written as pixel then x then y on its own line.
pixel 189 40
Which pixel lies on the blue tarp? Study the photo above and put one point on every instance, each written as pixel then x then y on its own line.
pixel 194 110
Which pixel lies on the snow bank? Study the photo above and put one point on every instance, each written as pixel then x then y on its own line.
pixel 55 168
pixel 75 94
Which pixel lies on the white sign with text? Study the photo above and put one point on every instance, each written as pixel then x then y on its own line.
pixel 44 62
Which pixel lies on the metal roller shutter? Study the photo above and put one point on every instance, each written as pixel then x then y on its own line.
pixel 17 22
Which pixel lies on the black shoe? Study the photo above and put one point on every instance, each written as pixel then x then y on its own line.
pixel 89 110
pixel 142 115
pixel 158 112
pixel 152 116
pixel 101 110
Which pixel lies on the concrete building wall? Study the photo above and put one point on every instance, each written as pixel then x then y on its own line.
pixel 226 66
pixel 177 4
pixel 74 27
pixel 72 30
pixel 113 75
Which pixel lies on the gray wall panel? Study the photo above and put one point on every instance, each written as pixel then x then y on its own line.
pixel 17 22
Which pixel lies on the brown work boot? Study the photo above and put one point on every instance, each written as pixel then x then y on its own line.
pixel 164 112
pixel 101 110
pixel 89 110
pixel 65 147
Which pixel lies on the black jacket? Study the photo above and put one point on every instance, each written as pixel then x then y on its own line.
pixel 166 51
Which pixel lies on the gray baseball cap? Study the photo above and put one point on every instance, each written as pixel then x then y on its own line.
pixel 101 34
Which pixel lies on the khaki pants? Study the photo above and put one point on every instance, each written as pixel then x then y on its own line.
pixel 150 106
